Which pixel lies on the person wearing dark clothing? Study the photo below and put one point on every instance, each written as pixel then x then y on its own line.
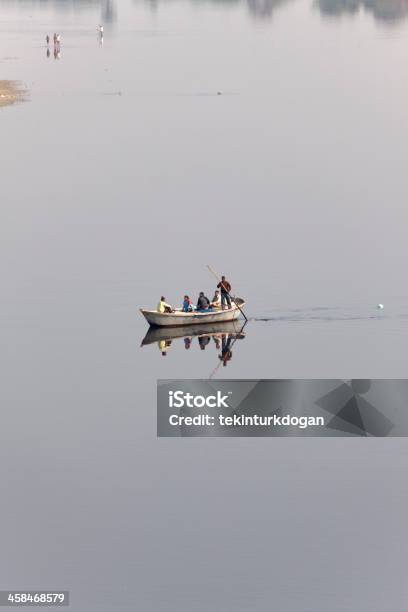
pixel 225 288
pixel 203 302
pixel 226 353
pixel 203 341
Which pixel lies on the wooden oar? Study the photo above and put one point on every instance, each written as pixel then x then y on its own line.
pixel 228 293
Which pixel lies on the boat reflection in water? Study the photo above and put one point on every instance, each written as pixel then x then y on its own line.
pixel 222 336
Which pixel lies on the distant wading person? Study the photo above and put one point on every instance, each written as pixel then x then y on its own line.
pixel 225 288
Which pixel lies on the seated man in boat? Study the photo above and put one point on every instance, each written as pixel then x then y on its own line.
pixel 187 305
pixel 216 301
pixel 203 303
pixel 163 307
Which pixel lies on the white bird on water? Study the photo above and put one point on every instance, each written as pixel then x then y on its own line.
pixel 380 306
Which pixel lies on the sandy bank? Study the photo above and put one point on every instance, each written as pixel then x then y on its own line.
pixel 10 92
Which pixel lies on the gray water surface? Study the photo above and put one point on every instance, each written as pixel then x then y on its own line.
pixel 121 178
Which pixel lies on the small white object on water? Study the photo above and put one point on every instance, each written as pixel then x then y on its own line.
pixel 380 306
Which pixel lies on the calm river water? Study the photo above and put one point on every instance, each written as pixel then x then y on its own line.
pixel 268 139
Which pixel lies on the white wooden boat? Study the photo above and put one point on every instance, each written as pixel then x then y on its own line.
pixel 178 318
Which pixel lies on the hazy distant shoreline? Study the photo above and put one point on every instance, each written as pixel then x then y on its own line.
pixel 10 93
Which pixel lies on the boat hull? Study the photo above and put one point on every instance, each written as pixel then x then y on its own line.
pixel 178 319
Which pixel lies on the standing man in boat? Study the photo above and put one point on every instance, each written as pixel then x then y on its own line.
pixel 225 288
